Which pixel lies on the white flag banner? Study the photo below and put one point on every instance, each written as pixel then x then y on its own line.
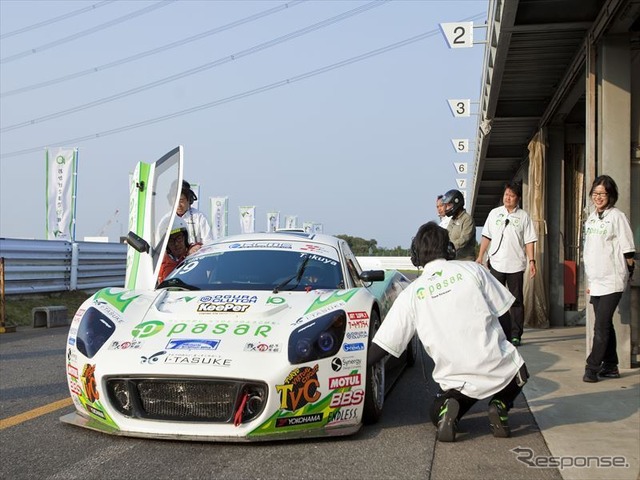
pixel 62 171
pixel 307 227
pixel 219 216
pixel 460 145
pixel 317 228
pixel 247 219
pixel 291 221
pixel 273 221
pixel 460 107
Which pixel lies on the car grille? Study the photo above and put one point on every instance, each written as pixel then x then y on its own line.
pixel 188 400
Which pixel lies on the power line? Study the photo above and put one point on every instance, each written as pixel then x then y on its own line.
pixel 199 69
pixel 242 95
pixel 56 19
pixel 84 33
pixel 147 53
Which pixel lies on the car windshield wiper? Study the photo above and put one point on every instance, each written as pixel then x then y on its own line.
pixel 177 283
pixel 297 276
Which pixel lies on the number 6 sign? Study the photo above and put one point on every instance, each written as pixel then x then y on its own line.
pixel 458 35
pixel 461 167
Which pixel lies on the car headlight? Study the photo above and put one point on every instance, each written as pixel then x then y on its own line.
pixel 319 338
pixel 94 330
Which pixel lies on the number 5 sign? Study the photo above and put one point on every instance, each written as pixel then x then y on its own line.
pixel 461 145
pixel 458 35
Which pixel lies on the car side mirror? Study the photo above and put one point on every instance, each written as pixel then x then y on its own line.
pixel 138 243
pixel 372 275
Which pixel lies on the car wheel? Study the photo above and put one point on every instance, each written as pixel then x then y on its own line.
pixel 412 351
pixel 374 392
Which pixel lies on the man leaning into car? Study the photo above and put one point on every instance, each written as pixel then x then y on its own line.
pixel 473 358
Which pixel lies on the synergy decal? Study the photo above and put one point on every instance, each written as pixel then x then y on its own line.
pixel 193 344
pixel 262 347
pixel 333 298
pixel 119 300
pixel 301 420
pixel 299 388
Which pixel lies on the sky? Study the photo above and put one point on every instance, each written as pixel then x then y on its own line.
pixel 333 111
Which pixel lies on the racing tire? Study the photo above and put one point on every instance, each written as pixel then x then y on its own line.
pixel 412 351
pixel 374 384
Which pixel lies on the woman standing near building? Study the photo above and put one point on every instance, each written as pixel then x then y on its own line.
pixel 609 264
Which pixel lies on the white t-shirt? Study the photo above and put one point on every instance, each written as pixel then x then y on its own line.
pixel 606 240
pixel 507 252
pixel 197 226
pixel 444 221
pixel 454 308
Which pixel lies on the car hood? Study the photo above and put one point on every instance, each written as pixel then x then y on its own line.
pixel 202 329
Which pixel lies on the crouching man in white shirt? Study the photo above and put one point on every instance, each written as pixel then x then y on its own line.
pixel 454 308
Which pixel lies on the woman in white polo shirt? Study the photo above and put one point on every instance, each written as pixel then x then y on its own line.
pixel 608 263
pixel 509 239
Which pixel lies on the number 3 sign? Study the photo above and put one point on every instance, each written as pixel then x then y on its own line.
pixel 458 35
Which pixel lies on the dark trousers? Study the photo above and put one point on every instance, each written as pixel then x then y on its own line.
pixel 603 350
pixel 512 322
pixel 507 395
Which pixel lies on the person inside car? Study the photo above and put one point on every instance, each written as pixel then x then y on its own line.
pixel 473 358
pixel 177 248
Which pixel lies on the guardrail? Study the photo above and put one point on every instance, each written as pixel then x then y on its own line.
pixel 43 266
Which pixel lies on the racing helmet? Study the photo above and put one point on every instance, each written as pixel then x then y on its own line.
pixel 456 199
pixel 180 226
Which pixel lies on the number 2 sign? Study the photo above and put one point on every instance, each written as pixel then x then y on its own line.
pixel 458 35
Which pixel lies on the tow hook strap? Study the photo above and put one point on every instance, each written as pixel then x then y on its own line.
pixel 237 419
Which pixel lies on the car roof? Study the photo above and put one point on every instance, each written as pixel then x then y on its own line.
pixel 280 236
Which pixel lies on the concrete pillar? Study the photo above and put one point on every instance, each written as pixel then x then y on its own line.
pixel 554 166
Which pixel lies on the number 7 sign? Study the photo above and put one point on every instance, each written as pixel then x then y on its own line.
pixel 458 35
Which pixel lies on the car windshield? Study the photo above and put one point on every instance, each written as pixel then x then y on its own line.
pixel 276 270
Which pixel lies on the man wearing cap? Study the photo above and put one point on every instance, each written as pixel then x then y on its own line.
pixel 198 227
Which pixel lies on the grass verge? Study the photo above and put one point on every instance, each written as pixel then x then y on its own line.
pixel 18 307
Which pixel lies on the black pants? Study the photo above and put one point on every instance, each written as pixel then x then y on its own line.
pixel 603 350
pixel 512 322
pixel 507 395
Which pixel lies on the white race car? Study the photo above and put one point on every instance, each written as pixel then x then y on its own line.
pixel 254 337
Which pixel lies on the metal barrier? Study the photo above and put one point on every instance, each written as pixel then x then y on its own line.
pixel 43 266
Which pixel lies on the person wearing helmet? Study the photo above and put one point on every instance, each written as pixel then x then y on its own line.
pixel 198 227
pixel 177 248
pixel 472 358
pixel 461 227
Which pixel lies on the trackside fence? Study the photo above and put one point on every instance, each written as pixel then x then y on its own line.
pixel 44 266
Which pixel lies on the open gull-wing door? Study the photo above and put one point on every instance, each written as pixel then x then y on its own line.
pixel 154 191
